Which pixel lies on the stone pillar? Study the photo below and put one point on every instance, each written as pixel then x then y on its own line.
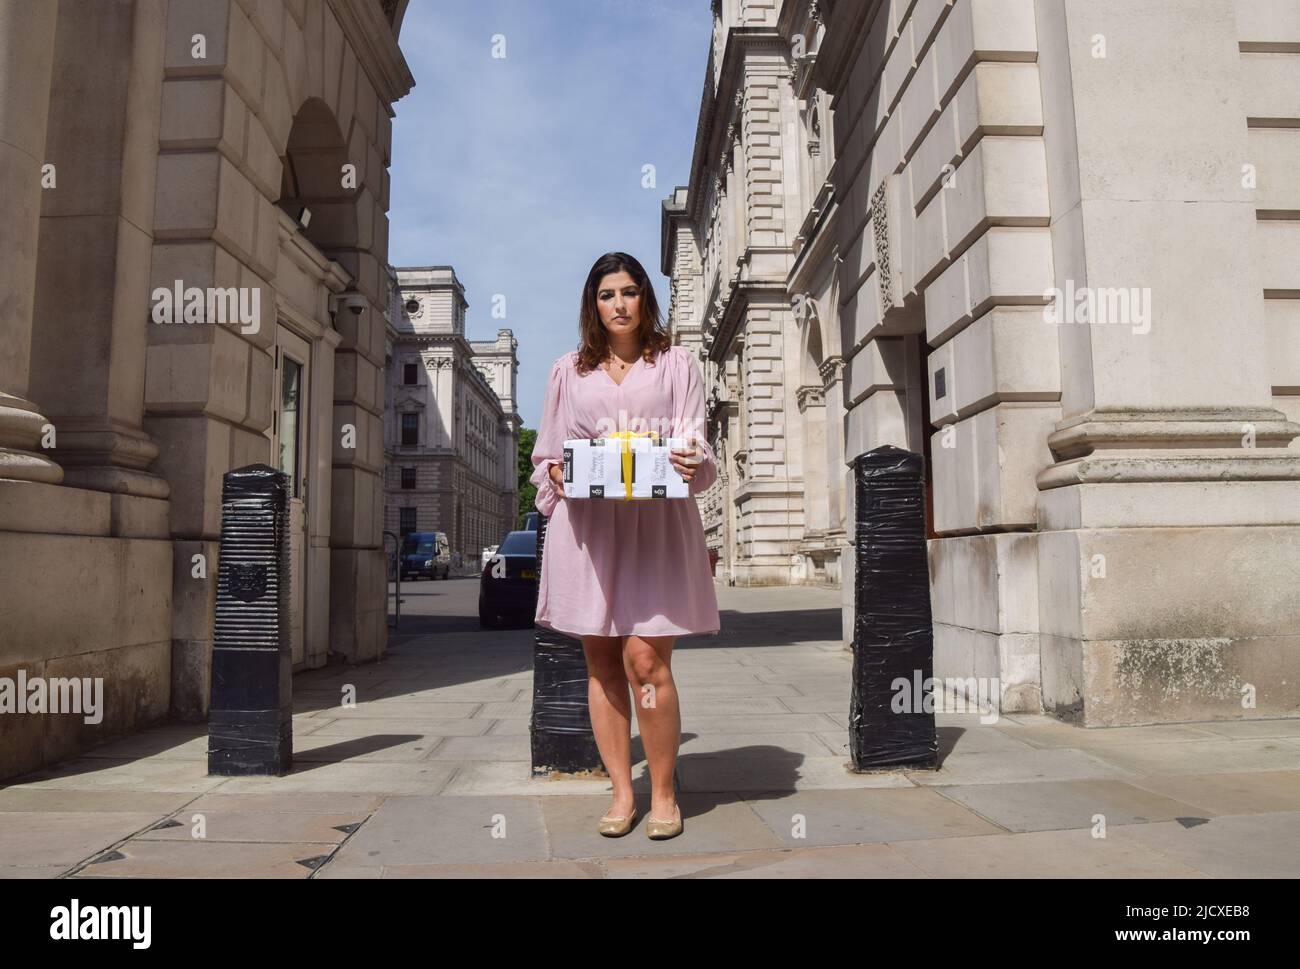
pixel 92 293
pixel 1168 559
pixel 26 64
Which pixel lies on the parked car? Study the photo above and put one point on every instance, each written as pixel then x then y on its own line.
pixel 426 554
pixel 507 591
pixel 532 521
pixel 488 552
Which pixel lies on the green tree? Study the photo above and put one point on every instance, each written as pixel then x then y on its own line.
pixel 527 490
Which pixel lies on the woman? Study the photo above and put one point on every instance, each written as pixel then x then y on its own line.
pixel 626 576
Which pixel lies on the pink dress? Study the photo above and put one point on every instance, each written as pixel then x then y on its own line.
pixel 610 566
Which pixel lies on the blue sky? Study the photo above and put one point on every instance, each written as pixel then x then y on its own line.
pixel 521 171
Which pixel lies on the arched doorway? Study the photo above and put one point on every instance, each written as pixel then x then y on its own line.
pixel 810 564
pixel 318 216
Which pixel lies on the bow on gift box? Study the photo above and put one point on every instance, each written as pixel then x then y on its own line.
pixel 626 447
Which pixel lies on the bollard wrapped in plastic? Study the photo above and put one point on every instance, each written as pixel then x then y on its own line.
pixel 562 740
pixel 250 719
pixel 893 635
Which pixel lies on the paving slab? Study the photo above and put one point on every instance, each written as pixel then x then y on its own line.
pixel 831 704
pixel 1242 846
pixel 1249 793
pixel 975 740
pixel 356 727
pixel 1012 767
pixel 867 816
pixel 515 778
pixel 58 838
pixel 252 826
pixel 464 693
pixel 782 773
pixel 708 725
pixel 449 830
pixel 93 773
pixel 1041 854
pixel 422 777
pixel 505 747
pixel 709 823
pixel 23 798
pixel 1056 805
pixel 298 802
pixel 522 709
pixel 859 861
pixel 1203 756
pixel 335 871
pixel 383 746
pixel 753 744
pixel 710 689
pixel 161 743
pixel 10 872
pixel 1253 729
pixel 390 710
pixel 559 868
pixel 1039 731
pixel 207 859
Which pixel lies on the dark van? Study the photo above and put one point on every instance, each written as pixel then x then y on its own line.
pixel 426 554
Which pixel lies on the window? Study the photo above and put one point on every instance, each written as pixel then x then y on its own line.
pixel 290 388
pixel 408 477
pixel 408 521
pixel 519 543
pixel 410 430
pixel 408 374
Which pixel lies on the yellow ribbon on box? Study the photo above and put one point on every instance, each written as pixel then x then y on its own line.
pixel 626 450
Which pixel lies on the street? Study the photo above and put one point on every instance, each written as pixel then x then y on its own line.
pixel 428 776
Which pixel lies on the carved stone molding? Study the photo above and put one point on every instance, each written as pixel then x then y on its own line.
pixel 831 370
pixel 809 395
pixel 880 234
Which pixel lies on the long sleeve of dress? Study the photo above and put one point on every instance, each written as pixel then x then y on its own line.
pixel 691 421
pixel 549 447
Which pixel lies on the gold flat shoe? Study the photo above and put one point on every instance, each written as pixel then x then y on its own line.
pixel 617 826
pixel 659 829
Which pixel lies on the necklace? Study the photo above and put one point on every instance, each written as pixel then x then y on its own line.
pixel 621 365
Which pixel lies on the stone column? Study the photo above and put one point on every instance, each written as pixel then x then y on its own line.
pixel 26 65
pixel 1168 548
pixel 96 238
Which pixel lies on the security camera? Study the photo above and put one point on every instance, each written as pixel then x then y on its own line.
pixel 353 301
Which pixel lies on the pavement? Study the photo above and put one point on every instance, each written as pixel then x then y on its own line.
pixel 428 775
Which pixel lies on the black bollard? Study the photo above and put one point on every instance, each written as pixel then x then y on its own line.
pixel 250 723
pixel 893 635
pixel 560 727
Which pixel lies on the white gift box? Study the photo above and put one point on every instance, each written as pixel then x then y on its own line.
pixel 653 473
pixel 593 468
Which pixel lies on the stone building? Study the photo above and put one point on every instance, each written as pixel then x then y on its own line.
pixel 749 248
pixel 451 428
pixel 1052 245
pixel 235 154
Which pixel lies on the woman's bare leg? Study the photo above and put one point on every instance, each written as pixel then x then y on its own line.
pixel 611 715
pixel 648 664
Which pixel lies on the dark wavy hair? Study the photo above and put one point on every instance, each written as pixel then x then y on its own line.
pixel 594 346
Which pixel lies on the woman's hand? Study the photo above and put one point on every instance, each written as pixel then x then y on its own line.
pixel 686 460
pixel 556 473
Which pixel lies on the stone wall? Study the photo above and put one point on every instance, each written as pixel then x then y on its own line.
pixel 181 140
pixel 1111 497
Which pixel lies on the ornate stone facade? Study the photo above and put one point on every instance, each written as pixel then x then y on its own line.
pixel 1052 246
pixel 450 419
pixel 750 252
pixel 231 148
